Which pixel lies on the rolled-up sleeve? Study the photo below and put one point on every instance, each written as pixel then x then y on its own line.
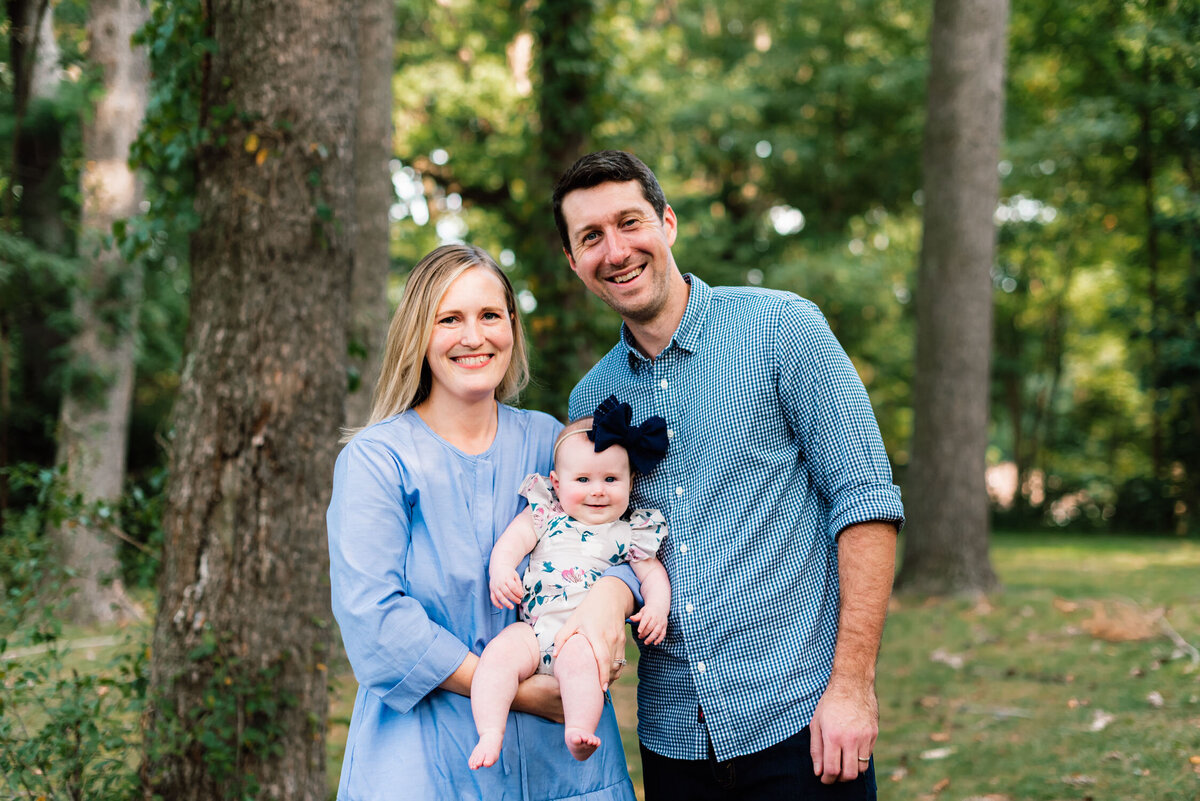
pixel 828 408
pixel 396 651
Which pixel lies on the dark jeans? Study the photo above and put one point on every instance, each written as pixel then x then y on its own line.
pixel 783 771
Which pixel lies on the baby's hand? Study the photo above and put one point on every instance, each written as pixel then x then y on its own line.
pixel 652 624
pixel 507 589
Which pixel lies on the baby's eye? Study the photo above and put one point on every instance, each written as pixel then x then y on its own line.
pixel 611 479
pixel 582 479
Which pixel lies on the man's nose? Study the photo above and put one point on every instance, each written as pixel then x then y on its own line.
pixel 618 248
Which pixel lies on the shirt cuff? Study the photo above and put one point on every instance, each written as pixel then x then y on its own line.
pixel 438 663
pixel 625 573
pixel 864 505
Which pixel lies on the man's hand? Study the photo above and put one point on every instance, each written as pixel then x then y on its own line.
pixel 601 619
pixel 844 729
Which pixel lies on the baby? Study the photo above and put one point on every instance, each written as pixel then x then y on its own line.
pixel 572 534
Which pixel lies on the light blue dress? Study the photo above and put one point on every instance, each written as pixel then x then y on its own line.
pixel 411 526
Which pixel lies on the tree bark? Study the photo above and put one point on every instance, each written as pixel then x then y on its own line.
pixel 238 674
pixel 93 423
pixel 369 307
pixel 946 548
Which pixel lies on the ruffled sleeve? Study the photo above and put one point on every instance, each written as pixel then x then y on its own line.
pixel 543 503
pixel 649 529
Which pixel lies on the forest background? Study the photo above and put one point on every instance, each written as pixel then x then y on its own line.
pixel 788 138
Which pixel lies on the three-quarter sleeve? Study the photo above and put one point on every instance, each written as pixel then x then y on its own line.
pixel 828 408
pixel 397 652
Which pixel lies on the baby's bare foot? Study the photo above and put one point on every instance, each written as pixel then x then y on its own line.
pixel 487 750
pixel 582 744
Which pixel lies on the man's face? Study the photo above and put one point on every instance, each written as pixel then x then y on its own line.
pixel 620 249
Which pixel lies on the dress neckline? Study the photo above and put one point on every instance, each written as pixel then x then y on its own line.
pixel 473 457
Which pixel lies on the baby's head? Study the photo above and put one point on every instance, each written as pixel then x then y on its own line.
pixel 592 487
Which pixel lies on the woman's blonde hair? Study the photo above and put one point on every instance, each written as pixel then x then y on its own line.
pixel 404 377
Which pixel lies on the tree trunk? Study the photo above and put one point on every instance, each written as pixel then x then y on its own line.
pixel 238 674
pixel 946 550
pixel 369 307
pixel 93 423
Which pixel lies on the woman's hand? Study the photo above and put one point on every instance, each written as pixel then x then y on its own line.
pixel 601 619
pixel 539 695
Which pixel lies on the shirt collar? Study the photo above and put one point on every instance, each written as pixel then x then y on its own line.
pixel 687 334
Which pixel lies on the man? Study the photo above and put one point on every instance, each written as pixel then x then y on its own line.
pixel 779 496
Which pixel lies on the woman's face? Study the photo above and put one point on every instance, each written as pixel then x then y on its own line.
pixel 472 339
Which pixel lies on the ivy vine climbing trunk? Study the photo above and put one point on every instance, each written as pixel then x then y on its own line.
pixel 369 308
pixel 946 548
pixel 238 673
pixel 93 424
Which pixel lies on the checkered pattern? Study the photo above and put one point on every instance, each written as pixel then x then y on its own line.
pixel 774 450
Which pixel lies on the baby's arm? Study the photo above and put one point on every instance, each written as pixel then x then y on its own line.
pixel 656 592
pixel 516 541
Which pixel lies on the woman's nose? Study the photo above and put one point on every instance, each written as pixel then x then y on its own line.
pixel 471 333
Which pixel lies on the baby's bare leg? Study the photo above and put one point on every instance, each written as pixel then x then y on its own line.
pixel 583 700
pixel 506 661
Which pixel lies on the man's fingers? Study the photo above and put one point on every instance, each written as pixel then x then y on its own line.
pixel 815 747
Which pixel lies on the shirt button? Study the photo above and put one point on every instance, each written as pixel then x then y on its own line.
pixel 663 383
pixel 670 433
pixel 699 667
pixel 682 551
pixel 679 490
pixel 689 608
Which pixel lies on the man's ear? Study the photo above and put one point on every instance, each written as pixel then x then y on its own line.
pixel 570 260
pixel 670 224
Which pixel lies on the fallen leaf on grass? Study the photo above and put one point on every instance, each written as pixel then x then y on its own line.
pixel 1100 720
pixel 940 737
pixel 898 774
pixel 944 657
pixel 1155 699
pixel 1194 759
pixel 1065 606
pixel 1122 622
pixel 937 753
pixel 1078 780
pixel 940 786
pixel 988 797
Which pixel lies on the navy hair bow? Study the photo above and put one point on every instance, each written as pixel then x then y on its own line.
pixel 646 443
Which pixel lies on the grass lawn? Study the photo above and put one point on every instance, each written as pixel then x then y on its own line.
pixel 1067 685
pixel 1075 682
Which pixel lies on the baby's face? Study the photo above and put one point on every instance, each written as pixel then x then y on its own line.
pixel 592 487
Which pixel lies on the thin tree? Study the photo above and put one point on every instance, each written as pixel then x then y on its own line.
pixel 369 308
pixel 238 676
pixel 946 549
pixel 93 426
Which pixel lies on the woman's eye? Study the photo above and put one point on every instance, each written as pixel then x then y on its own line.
pixel 446 320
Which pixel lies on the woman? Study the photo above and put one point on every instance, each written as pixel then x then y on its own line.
pixel 419 497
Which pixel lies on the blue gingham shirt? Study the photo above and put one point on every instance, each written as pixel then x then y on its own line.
pixel 774 450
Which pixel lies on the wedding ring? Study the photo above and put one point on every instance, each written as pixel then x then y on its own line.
pixel 864 759
pixel 619 662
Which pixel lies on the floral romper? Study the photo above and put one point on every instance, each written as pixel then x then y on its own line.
pixel 569 556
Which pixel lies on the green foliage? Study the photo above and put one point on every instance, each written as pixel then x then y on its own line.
pixel 234 727
pixel 69 728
